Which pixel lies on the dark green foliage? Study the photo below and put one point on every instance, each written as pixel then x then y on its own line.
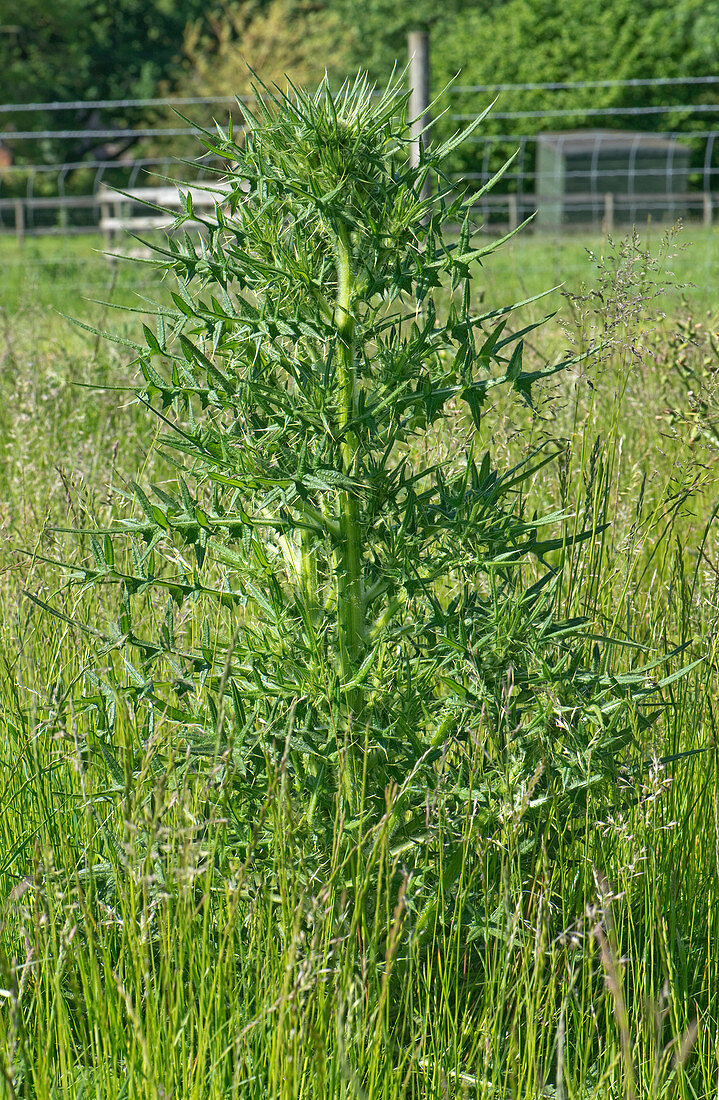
pixel 486 43
pixel 331 585
pixel 538 41
pixel 66 50
pixel 651 40
pixel 378 29
pixel 617 40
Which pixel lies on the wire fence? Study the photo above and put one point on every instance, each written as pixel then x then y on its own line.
pixel 577 160
pixel 574 160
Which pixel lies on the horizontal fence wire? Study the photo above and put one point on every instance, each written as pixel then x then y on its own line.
pixel 186 101
pixel 592 112
pixel 109 134
pixel 101 104
pixel 570 85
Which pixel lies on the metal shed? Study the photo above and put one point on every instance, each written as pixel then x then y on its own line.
pixel 644 175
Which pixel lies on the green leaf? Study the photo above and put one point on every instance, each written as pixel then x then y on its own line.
pixel 152 341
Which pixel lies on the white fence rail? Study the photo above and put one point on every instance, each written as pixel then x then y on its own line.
pixel 18 216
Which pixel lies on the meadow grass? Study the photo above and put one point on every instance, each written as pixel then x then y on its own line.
pixel 172 967
pixel 56 272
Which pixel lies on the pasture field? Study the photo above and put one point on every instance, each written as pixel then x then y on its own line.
pixel 143 953
pixel 56 272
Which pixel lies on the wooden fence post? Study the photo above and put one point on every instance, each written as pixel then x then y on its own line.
pixel 512 212
pixel 19 221
pixel 105 219
pixel 707 202
pixel 608 223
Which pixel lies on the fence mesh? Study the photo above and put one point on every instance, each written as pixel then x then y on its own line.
pixel 576 160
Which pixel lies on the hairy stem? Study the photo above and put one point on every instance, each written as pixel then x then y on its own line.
pixel 308 559
pixel 350 575
pixel 349 584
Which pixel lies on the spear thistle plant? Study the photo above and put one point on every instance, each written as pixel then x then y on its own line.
pixel 331 596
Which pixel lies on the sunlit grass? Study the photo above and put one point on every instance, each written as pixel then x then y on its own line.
pixel 174 968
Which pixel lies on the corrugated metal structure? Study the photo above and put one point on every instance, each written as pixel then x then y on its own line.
pixel 646 176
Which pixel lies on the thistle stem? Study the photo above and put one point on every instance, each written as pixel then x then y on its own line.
pixel 350 603
pixel 349 584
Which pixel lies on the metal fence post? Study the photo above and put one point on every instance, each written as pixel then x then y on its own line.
pixel 418 46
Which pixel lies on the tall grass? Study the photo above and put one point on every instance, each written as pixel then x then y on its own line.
pixel 174 970
pixel 155 942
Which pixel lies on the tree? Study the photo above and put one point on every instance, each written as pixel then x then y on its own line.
pixel 65 50
pixel 299 39
pixel 536 41
pixel 377 29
